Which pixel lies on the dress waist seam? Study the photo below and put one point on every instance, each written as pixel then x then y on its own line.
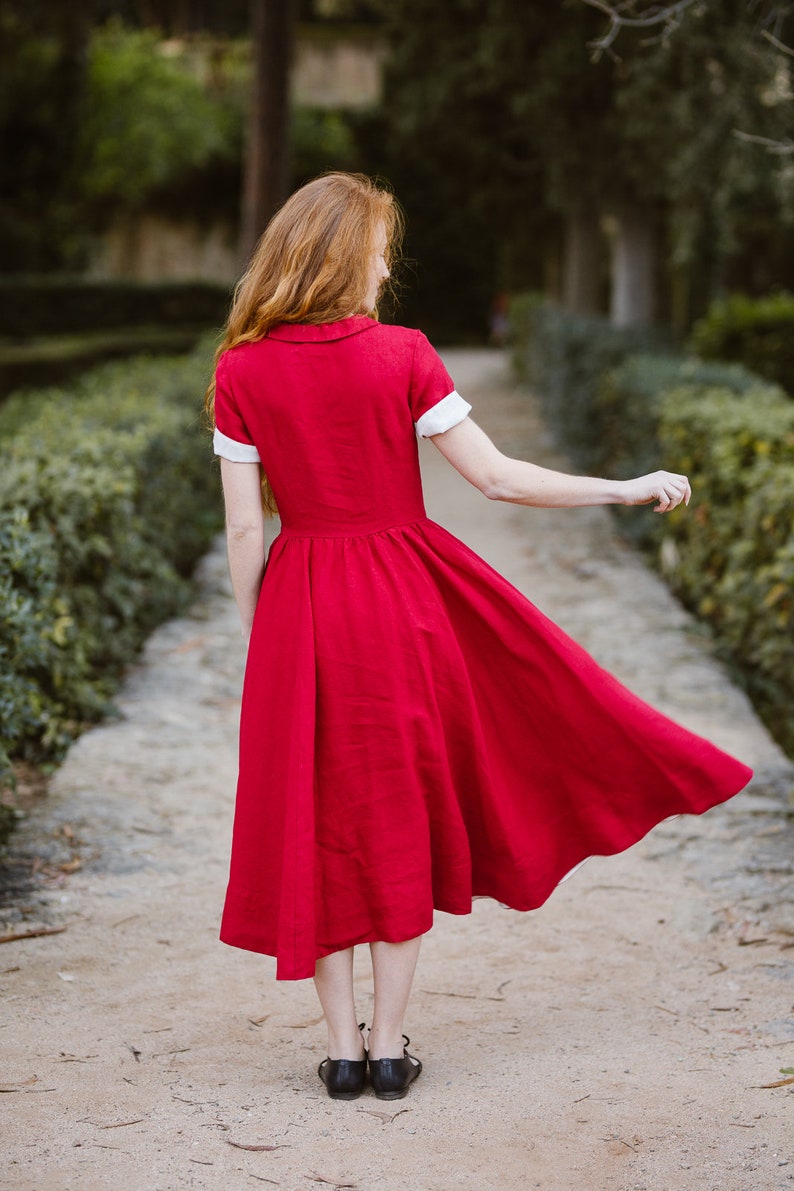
pixel 364 533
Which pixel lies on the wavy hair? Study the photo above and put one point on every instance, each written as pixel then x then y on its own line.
pixel 312 264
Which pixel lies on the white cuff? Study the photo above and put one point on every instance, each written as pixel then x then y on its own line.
pixel 229 448
pixel 442 416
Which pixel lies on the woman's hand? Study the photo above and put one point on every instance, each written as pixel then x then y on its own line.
pixel 665 487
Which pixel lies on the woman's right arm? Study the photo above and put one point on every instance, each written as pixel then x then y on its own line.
pixel 245 535
pixel 497 476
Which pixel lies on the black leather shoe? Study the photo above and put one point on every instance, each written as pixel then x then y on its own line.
pixel 343 1078
pixel 391 1078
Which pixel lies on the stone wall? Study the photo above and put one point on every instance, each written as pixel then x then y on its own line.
pixel 153 248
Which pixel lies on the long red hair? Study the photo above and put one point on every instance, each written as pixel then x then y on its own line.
pixel 312 264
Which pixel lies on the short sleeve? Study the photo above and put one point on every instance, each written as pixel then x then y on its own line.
pixel 436 405
pixel 231 439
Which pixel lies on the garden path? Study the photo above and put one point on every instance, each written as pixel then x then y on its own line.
pixel 620 1039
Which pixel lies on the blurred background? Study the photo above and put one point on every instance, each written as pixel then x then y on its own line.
pixel 149 140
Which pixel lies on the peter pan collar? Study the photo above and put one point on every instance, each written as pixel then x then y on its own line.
pixel 308 333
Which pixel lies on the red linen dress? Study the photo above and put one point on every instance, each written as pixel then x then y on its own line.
pixel 414 732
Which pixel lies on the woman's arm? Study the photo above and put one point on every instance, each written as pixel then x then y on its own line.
pixel 471 452
pixel 245 535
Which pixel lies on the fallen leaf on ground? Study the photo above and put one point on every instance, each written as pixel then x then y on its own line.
pixel 71 866
pixel 17 1087
pixel 238 1145
pixel 36 933
pixel 384 1116
pixel 319 1178
pixel 779 1083
pixel 257 1021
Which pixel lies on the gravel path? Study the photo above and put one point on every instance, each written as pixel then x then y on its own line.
pixel 619 1039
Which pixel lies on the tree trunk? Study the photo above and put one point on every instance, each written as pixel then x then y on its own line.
pixel 581 263
pixel 265 178
pixel 633 302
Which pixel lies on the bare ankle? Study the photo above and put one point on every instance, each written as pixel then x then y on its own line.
pixel 386 1043
pixel 346 1045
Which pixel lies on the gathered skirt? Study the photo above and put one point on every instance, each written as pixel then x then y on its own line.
pixel 415 733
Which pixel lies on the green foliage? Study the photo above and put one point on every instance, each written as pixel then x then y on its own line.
pixel 628 404
pixel 756 332
pixel 55 304
pixel 730 555
pixel 104 122
pixel 499 126
pixel 320 139
pixel 147 122
pixel 53 360
pixel 42 54
pixel 107 498
pixel 521 313
pixel 564 359
pixel 60 325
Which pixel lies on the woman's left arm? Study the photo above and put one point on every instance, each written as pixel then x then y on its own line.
pixel 245 535
pixel 476 457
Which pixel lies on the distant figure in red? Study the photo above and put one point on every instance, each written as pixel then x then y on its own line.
pixel 414 732
pixel 500 321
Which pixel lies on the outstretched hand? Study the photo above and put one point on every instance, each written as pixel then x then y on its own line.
pixel 665 487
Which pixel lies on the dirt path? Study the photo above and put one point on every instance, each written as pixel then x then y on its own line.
pixel 616 1040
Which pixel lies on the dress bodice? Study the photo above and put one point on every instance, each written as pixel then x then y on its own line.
pixel 332 413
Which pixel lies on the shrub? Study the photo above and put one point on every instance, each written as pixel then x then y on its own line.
pixel 730 556
pixel 755 597
pixel 755 332
pixel 564 359
pixel 720 441
pixel 627 410
pixel 629 400
pixel 59 304
pixel 521 322
pixel 107 499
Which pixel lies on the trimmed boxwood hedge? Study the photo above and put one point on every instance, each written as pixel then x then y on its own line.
pixel 54 360
pixel 108 497
pixel 55 304
pixel 730 555
pixel 563 357
pixel 755 332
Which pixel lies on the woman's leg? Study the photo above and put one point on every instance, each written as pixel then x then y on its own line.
pixel 333 979
pixel 393 967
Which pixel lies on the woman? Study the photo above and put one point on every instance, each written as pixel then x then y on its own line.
pixel 414 733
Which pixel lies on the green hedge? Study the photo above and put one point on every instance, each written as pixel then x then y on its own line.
pixel 627 411
pixel 107 499
pixel 53 361
pixel 730 555
pixel 755 332
pixel 36 306
pixel 563 357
